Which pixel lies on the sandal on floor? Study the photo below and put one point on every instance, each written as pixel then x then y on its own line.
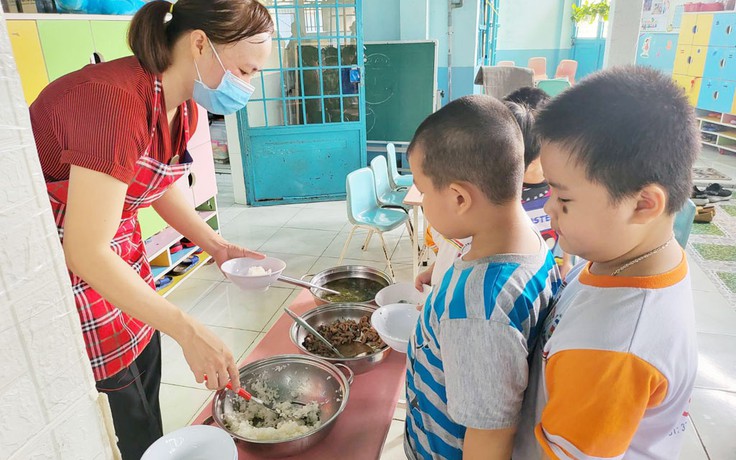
pixel 716 193
pixel 163 282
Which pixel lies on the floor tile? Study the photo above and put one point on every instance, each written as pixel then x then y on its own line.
pixel 713 313
pixel 297 265
pixel 699 279
pixel 211 272
pixel 403 273
pixel 400 413
pixel 179 405
pixel 692 447
pixel 229 306
pixel 713 413
pixel 393 449
pixel 226 214
pixel 319 219
pixel 277 314
pixel 716 362
pixel 192 291
pixel 299 241
pixel 274 216
pixel 245 234
pixel 255 343
pixel 374 252
pixel 174 367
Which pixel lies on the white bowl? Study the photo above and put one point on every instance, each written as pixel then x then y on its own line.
pixel 401 293
pixel 236 270
pixel 193 443
pixel 395 324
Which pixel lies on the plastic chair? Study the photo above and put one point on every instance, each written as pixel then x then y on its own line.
pixel 539 66
pixel 397 180
pixel 387 197
pixel 553 87
pixel 506 64
pixel 365 212
pixel 567 69
pixel 684 222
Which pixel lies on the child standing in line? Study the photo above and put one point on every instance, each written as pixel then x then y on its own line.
pixel 615 365
pixel 467 358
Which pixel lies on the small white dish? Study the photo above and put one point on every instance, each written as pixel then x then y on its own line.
pixel 401 293
pixel 395 324
pixel 236 270
pixel 196 442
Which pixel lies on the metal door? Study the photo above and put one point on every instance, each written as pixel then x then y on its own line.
pixel 304 129
pixel 589 46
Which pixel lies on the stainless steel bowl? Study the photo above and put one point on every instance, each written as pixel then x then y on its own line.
pixel 326 314
pixel 346 271
pixel 297 377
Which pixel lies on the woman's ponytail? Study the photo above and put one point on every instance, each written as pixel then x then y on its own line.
pixel 147 36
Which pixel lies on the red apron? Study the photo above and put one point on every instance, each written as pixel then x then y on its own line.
pixel 113 338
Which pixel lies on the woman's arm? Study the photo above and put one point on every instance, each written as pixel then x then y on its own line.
pixel 94 205
pixel 178 213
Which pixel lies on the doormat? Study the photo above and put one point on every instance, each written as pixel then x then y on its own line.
pixel 713 247
pixel 709 174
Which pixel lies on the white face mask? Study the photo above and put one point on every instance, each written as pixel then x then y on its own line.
pixel 231 95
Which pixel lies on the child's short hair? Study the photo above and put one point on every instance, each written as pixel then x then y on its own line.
pixel 473 139
pixel 533 97
pixel 628 127
pixel 525 116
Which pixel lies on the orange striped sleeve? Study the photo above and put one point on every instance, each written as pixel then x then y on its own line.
pixel 429 241
pixel 596 400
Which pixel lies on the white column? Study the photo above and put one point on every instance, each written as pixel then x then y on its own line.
pixel 50 407
pixel 623 32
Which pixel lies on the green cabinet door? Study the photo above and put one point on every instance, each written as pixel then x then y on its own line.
pixel 67 45
pixel 111 39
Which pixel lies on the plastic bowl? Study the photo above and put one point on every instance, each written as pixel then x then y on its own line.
pixel 236 270
pixel 395 324
pixel 193 442
pixel 401 293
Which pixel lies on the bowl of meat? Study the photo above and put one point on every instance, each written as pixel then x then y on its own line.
pixel 341 323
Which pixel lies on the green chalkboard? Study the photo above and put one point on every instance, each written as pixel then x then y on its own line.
pixel 400 82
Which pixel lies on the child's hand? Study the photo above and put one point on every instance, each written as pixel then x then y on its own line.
pixel 424 278
pixel 565 268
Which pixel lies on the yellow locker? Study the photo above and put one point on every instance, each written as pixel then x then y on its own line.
pixel 28 57
pixel 697 61
pixel 687 29
pixel 683 56
pixel 703 26
pixel 691 86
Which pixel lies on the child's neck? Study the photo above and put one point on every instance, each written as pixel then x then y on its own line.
pixel 661 260
pixel 534 173
pixel 506 230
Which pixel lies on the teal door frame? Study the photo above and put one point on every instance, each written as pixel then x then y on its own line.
pixel 588 52
pixel 304 131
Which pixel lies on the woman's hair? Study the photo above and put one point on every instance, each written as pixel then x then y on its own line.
pixel 152 34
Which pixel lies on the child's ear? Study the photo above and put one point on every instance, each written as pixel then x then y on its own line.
pixel 461 196
pixel 651 202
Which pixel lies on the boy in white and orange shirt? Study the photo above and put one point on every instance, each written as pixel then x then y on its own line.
pixel 613 371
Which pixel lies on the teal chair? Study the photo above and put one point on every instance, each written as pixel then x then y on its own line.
pixel 553 87
pixel 387 197
pixel 397 180
pixel 365 212
pixel 684 222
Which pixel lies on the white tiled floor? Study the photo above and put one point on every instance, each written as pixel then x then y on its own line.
pixel 310 237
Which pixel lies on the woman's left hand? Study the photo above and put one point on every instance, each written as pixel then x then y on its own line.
pixel 231 251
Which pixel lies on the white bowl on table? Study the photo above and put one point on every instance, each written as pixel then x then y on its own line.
pixel 193 443
pixel 401 293
pixel 395 324
pixel 236 270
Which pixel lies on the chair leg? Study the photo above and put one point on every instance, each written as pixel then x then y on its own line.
pixel 347 243
pixel 367 240
pixel 388 259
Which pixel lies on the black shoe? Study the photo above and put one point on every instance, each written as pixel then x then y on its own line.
pixel 699 197
pixel 716 193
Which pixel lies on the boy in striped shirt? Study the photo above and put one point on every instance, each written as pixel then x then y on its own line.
pixel 467 358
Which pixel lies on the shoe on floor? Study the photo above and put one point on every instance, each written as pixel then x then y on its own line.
pixel 699 197
pixel 716 193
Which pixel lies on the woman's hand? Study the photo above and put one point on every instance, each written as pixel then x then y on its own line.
pixel 207 356
pixel 229 251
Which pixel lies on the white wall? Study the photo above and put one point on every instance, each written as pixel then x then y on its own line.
pixel 534 24
pixel 49 405
pixel 623 33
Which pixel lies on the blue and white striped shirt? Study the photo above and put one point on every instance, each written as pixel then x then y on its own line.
pixel 467 358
